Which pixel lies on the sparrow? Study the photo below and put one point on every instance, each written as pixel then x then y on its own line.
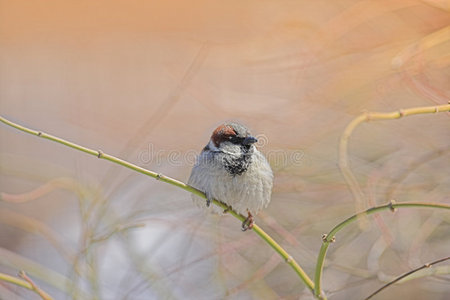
pixel 230 169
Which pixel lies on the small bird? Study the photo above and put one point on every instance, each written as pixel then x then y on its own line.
pixel 230 169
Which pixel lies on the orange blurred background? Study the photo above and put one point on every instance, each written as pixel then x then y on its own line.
pixel 148 81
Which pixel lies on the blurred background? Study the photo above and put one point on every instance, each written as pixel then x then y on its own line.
pixel 148 81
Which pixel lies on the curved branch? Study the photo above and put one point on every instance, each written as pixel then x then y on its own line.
pixel 373 116
pixel 100 154
pixel 25 283
pixel 330 237
pixel 425 266
pixel 34 287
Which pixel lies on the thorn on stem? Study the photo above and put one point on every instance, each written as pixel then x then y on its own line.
pixel 367 113
pixel 391 206
pixel 40 292
pixel 100 153
pixel 325 238
pixel 401 113
pixel 158 176
pixel 39 133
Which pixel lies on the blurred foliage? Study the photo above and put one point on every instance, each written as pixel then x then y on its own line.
pixel 151 80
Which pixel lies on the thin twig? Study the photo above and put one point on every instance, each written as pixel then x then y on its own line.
pixel 17 281
pixel 50 277
pixel 351 179
pixel 100 154
pixel 346 171
pixel 330 237
pixel 425 266
pixel 34 287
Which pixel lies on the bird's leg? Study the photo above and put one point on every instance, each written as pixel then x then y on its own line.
pixel 248 223
pixel 208 200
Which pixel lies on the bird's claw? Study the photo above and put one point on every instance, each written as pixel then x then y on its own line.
pixel 209 199
pixel 248 223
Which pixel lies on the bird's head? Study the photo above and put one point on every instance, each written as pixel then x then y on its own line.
pixel 231 137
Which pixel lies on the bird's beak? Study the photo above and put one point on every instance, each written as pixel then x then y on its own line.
pixel 249 140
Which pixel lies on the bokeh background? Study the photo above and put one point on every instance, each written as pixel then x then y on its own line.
pixel 148 81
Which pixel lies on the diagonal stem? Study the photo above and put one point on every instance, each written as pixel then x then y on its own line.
pixel 344 166
pixel 100 154
pixel 330 237
pixel 425 266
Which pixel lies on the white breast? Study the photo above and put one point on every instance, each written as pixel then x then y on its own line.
pixel 251 191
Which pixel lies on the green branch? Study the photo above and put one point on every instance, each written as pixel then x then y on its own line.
pixel 330 237
pixel 347 173
pixel 425 266
pixel 26 283
pixel 100 154
pixel 14 280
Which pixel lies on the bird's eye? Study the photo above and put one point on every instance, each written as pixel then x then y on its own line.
pixel 235 139
pixel 232 138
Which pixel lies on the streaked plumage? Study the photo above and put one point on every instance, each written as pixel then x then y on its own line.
pixel 231 169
